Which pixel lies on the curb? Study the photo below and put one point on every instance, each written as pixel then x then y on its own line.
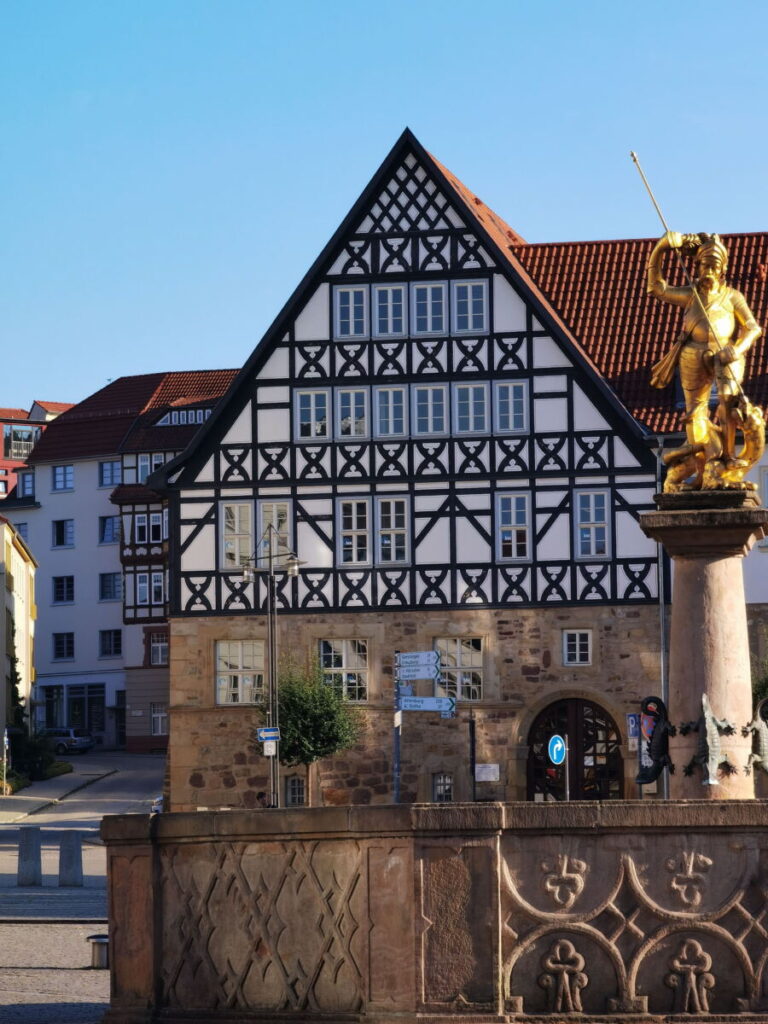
pixel 57 799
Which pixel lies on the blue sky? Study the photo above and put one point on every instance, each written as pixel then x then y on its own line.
pixel 170 168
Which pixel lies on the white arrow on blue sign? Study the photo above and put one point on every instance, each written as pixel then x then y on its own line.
pixel 446 704
pixel 556 749
pixel 270 733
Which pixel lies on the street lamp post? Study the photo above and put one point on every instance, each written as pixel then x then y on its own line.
pixel 276 561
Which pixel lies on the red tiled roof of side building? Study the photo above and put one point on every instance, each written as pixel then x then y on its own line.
pixel 54 406
pixel 598 291
pixel 14 414
pixel 101 423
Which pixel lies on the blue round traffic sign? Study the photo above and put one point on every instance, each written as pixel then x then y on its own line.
pixel 556 749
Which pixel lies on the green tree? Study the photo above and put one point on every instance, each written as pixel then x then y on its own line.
pixel 16 716
pixel 315 720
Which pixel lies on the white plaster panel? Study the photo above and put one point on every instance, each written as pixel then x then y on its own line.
pixel 547 353
pixel 206 473
pixel 311 548
pixel 427 502
pixel 240 473
pixel 435 545
pixel 200 556
pixel 240 431
pixel 550 414
pixel 470 545
pixel 480 501
pixel 312 322
pixel 453 217
pixel 556 542
pixel 509 310
pixel 273 395
pixel 585 414
pixel 591 481
pixel 638 495
pixel 273 425
pixel 631 542
pixel 557 382
pixel 622 456
pixel 315 602
pixel 276 366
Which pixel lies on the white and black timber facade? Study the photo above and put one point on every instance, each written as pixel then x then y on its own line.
pixel 427 436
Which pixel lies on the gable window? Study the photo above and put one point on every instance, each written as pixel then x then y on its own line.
pixel 110 643
pixel 277 515
pixel 110 473
pixel 577 646
pixel 63 478
pixel 140 528
pixel 470 307
pixel 237 535
pixel 428 313
pixel 351 312
pixel 158 714
pixel 591 524
pixel 392 534
pixel 63 589
pixel 110 586
pixel 63 646
pixel 461 666
pixel 353 534
pixel 389 310
pixel 430 409
pixel 63 531
pixel 442 787
pixel 109 529
pixel 471 408
pixel 511 407
pixel 313 414
pixel 390 411
pixel 513 526
pixel 345 667
pixel 295 792
pixel 158 648
pixel 239 671
pixel 352 413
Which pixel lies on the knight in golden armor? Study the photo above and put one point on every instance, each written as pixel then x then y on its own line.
pixel 718 330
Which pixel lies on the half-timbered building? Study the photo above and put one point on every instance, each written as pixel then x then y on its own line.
pixel 422 426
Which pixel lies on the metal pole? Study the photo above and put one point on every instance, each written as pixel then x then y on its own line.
pixel 472 751
pixel 567 771
pixel 396 733
pixel 274 794
pixel 662 624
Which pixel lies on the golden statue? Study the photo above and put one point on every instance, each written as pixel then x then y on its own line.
pixel 718 330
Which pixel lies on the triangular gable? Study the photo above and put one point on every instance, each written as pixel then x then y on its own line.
pixel 410 191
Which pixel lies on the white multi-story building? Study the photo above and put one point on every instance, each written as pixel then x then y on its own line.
pixel 17 621
pixel 102 650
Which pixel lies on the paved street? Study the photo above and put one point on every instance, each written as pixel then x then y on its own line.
pixel 45 972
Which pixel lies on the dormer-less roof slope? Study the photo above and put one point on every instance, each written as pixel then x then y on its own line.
pixel 598 290
pixel 102 423
pixel 14 414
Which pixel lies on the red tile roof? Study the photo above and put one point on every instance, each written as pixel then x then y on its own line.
pixel 14 414
pixel 103 423
pixel 54 406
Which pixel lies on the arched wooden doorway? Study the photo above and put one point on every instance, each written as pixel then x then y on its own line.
pixel 594 753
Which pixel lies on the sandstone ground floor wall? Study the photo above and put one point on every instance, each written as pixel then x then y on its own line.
pixel 215 761
pixel 622 911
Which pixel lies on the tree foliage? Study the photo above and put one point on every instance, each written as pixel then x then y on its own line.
pixel 315 720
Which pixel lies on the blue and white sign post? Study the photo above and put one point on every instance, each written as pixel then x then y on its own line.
pixel 411 665
pixel 557 750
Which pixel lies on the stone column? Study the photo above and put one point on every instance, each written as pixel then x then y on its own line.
pixel 707 533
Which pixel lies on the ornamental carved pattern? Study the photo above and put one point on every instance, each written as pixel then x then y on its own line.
pixel 650 928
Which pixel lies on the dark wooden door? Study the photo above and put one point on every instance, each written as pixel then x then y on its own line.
pixel 594 753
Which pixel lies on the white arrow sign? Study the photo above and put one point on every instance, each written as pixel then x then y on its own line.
pixel 411 672
pixel 428 704
pixel 422 659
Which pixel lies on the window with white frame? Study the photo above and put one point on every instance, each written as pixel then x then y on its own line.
pixel 428 308
pixel 577 646
pixel 392 532
pixel 513 526
pixel 110 586
pixel 351 312
pixel 430 409
pixel 352 412
pixel 165 524
pixel 142 588
pixel 155 527
pixel 390 408
pixel 511 406
pixel 345 667
pixel 158 648
pixel 461 666
pixel 591 524
pixel 144 468
pixel 110 643
pixel 389 312
pixel 236 534
pixel 277 515
pixel 158 460
pixel 110 473
pixel 295 791
pixel 109 529
pixel 442 787
pixel 140 528
pixel 63 533
pixel 150 588
pixel 470 408
pixel 354 545
pixel 470 307
pixel 158 714
pixel 158 587
pixel 239 671
pixel 62 478
pixel 313 415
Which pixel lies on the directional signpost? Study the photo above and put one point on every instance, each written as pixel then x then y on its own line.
pixel 557 749
pixel 428 704
pixel 409 666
